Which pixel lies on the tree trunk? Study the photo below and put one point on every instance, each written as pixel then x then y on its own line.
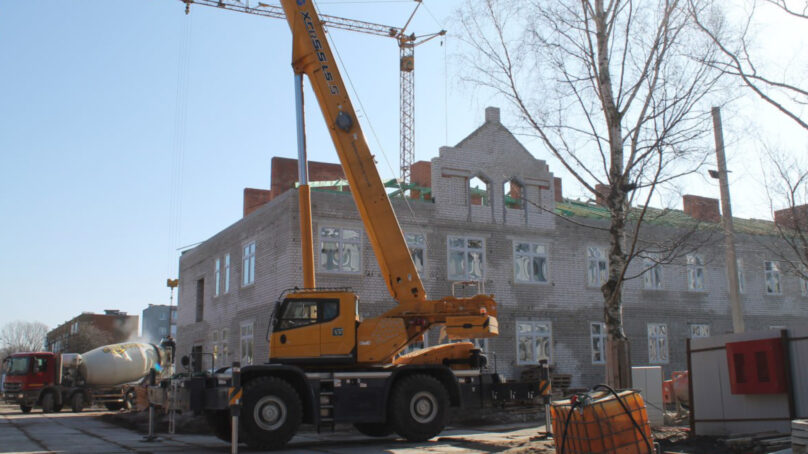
pixel 618 359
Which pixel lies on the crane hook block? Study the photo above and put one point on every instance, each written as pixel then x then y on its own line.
pixel 344 121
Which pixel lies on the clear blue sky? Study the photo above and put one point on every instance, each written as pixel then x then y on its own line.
pixel 90 143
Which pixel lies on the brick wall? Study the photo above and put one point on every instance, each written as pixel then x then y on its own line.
pixel 701 208
pixel 790 218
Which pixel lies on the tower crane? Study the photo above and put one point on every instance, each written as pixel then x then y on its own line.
pixel 406 44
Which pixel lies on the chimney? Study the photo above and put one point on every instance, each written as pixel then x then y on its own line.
pixel 701 208
pixel 602 193
pixel 559 196
pixel 254 198
pixel 492 115
pixel 790 218
pixel 422 176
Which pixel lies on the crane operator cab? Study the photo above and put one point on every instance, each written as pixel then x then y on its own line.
pixel 315 327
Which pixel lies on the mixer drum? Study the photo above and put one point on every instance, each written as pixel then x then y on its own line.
pixel 116 364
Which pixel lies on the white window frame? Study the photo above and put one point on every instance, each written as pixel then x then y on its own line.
pixel 533 335
pixel 530 255
pixel 247 339
pixel 603 273
pixel 341 242
pixel 214 346
pixel 695 264
pixel 771 269
pixel 601 336
pixel 465 249
pixel 225 346
pixel 413 245
pixel 653 278
pixel 227 273
pixel 741 278
pixel 248 264
pixel 698 330
pixel 217 274
pixel 659 340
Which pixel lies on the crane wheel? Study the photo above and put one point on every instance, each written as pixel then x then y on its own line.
pixel 219 423
pixel 271 414
pixel 374 429
pixel 48 403
pixel 419 407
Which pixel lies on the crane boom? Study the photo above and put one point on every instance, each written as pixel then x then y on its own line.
pixel 312 56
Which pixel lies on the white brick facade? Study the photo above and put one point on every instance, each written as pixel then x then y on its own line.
pixel 565 300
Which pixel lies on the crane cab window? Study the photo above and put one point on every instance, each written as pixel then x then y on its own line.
pixel 297 313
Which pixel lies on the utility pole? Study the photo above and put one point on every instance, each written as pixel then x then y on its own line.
pixel 726 220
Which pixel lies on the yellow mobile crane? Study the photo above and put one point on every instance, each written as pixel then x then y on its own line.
pixel 326 366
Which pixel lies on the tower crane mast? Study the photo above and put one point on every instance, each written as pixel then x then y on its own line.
pixel 406 44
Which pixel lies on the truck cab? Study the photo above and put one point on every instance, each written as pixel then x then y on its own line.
pixel 26 376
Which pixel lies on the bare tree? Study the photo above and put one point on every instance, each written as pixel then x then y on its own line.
pixel 736 57
pixel 613 91
pixel 787 189
pixel 20 336
pixel 87 338
pixel 786 174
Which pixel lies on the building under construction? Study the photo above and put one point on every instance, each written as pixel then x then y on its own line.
pixel 486 216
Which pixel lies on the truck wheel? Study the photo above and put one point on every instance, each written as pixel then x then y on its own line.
pixel 48 403
pixel 25 408
pixel 58 408
pixel 77 403
pixel 418 407
pixel 219 423
pixel 272 413
pixel 374 429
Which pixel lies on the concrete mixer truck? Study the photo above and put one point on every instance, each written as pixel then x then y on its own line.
pixel 103 376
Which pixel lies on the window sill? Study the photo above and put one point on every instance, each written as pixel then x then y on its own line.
pixel 532 283
pixel 251 284
pixel 340 273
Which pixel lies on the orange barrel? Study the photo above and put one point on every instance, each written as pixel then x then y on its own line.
pixel 599 424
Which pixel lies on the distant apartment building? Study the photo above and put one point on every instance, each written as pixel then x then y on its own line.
pixel 486 210
pixel 159 320
pixel 87 331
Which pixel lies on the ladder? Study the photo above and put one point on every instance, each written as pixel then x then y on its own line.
pixel 325 416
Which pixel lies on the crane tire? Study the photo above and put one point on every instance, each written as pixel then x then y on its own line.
pixel 419 407
pixel 272 413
